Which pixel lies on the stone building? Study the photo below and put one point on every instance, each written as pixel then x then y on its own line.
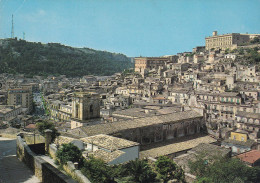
pixel 111 149
pixel 225 41
pixel 85 106
pixel 142 63
pixel 249 122
pixel 9 113
pixel 21 97
pixel 239 142
pixel 152 129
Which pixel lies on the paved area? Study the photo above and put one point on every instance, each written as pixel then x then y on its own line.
pixel 11 169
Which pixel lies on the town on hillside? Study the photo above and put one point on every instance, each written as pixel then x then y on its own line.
pixel 203 101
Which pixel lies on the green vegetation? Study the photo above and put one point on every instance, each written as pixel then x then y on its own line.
pixel 140 171
pixel 42 126
pixel 19 56
pixel 252 56
pixel 68 152
pixel 227 51
pixel 256 40
pixel 168 170
pixel 221 169
pixel 137 171
pixel 97 171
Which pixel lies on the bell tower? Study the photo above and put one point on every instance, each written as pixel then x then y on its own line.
pixel 85 106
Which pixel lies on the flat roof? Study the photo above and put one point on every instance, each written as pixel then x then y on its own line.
pixel 110 128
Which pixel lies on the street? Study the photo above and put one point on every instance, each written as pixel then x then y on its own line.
pixel 11 169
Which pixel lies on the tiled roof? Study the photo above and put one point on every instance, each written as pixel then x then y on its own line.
pixel 109 142
pixel 176 147
pixel 110 128
pixel 104 155
pixel 250 157
pixel 64 140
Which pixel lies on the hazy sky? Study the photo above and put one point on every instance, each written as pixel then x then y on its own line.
pixel 132 27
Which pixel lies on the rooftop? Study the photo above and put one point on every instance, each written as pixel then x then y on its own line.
pixel 109 142
pixel 210 149
pixel 106 156
pixel 248 143
pixel 110 128
pixel 176 147
pixel 250 157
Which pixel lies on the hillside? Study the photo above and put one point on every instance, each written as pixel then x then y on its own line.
pixel 29 58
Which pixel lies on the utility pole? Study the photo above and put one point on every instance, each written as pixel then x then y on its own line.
pixel 12 31
pixel 23 35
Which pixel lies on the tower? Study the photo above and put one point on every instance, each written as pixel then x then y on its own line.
pixel 85 107
pixel 12 31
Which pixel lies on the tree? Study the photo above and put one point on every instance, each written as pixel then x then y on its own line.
pixel 42 126
pixel 68 152
pixel 97 171
pixel 222 169
pixel 141 171
pixel 227 51
pixel 255 40
pixel 168 170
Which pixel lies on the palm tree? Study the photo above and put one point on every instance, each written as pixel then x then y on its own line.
pixel 141 171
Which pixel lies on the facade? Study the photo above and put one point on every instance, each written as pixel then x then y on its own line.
pixel 226 41
pixel 85 106
pixel 21 97
pixel 249 122
pixel 8 113
pixel 238 142
pixel 142 63
pixel 148 130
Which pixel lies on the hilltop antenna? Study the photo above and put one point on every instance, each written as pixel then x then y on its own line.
pixel 23 35
pixel 12 32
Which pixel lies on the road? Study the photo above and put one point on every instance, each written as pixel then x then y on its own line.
pixel 11 169
pixel 39 107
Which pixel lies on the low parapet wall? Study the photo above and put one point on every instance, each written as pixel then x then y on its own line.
pixel 42 169
pixel 69 167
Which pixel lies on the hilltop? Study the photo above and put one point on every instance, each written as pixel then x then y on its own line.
pixel 30 58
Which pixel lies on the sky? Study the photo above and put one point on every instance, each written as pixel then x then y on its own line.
pixel 131 27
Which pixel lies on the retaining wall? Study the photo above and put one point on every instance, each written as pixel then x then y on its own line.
pixel 69 167
pixel 42 169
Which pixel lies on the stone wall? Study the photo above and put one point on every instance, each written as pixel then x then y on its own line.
pixel 51 174
pixel 162 132
pixel 69 168
pixel 52 151
pixel 74 173
pixel 43 170
pixel 34 139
